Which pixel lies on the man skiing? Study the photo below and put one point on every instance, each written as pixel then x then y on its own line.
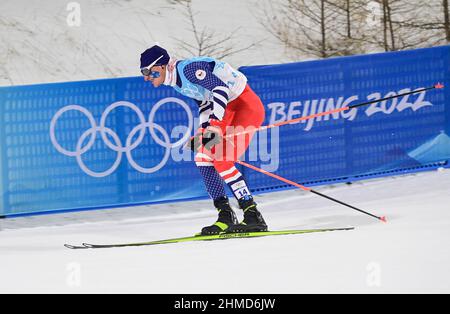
pixel 226 103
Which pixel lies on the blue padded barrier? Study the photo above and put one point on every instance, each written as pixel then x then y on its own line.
pixel 392 137
pixel 87 145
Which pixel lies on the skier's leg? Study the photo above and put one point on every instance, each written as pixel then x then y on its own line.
pixel 253 219
pixel 215 188
pixel 249 115
pixel 213 182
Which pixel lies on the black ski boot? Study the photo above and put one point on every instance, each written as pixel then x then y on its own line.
pixel 227 218
pixel 253 220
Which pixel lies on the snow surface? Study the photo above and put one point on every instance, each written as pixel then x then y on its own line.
pixel 38 45
pixel 409 254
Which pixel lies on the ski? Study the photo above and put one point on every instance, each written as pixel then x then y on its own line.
pixel 75 247
pixel 222 236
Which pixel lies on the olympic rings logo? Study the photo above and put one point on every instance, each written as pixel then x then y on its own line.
pixel 117 146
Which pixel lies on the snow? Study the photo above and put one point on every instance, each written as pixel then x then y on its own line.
pixel 39 45
pixel 409 254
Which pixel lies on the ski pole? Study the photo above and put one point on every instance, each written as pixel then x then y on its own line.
pixel 317 115
pixel 382 218
pixel 304 188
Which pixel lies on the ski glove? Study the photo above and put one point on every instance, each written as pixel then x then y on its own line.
pixel 208 138
pixel 195 142
pixel 211 137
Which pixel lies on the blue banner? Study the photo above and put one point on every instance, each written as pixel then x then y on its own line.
pixel 404 134
pixel 94 144
pixel 119 142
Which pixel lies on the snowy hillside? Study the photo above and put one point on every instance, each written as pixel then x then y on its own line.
pixel 39 44
pixel 409 254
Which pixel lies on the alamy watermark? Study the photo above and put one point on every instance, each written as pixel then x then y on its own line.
pixel 373 278
pixel 264 146
pixel 73 277
pixel 74 16
pixel 375 14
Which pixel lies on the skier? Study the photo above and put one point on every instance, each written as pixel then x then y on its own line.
pixel 225 102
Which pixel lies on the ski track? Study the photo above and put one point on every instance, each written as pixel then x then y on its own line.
pixel 408 254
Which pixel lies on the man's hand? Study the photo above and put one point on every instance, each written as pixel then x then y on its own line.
pixel 207 138
pixel 195 142
pixel 211 137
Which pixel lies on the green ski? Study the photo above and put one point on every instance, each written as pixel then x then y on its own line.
pixel 222 236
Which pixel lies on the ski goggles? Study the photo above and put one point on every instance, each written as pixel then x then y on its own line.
pixel 148 72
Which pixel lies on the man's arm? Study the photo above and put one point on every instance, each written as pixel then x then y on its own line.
pixel 204 110
pixel 204 135
pixel 200 73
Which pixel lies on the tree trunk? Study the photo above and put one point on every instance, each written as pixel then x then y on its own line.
pixel 391 26
pixel 385 27
pixel 324 35
pixel 447 20
pixel 349 21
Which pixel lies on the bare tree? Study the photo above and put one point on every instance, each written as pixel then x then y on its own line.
pixel 207 42
pixel 446 19
pixel 303 26
pixel 385 33
pixel 404 25
pixel 348 8
pixel 430 15
pixel 326 28
pixel 353 15
pixel 422 24
pixel 317 28
pixel 436 23
pixel 388 30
